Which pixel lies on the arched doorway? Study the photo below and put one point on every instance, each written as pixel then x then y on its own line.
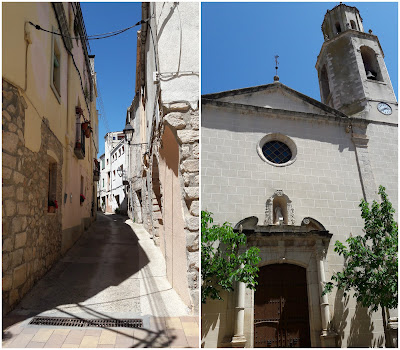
pixel 281 316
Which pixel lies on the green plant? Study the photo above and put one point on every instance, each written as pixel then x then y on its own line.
pixel 117 210
pixel 221 262
pixel 371 260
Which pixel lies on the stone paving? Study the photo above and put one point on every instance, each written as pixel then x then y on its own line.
pixel 173 332
pixel 113 271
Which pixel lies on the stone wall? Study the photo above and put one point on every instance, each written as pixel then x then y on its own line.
pixel 185 122
pixel 323 183
pixel 31 235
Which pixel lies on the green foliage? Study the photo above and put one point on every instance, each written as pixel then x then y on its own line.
pixel 117 210
pixel 371 260
pixel 220 259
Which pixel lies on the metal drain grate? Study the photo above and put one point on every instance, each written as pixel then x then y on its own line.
pixel 80 322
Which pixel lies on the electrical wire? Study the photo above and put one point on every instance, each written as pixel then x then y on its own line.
pixel 91 37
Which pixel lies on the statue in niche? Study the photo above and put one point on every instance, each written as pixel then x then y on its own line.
pixel 278 216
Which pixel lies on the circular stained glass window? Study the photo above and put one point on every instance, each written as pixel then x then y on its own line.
pixel 277 152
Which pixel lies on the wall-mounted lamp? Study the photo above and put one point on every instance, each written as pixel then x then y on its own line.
pixel 128 131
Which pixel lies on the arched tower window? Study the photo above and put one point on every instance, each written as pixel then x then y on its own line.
pixel 353 25
pixel 338 29
pixel 325 91
pixel 371 64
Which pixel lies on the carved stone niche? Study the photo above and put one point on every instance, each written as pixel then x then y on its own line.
pixel 279 203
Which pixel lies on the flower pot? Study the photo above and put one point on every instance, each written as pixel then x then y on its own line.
pixel 51 209
pixel 78 145
pixel 79 110
pixel 84 126
pixel 87 132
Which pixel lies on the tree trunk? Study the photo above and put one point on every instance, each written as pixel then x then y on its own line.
pixel 387 341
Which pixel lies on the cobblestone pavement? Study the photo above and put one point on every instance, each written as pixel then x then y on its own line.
pixel 113 271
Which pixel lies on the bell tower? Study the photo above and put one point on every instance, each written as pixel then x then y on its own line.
pixel 351 69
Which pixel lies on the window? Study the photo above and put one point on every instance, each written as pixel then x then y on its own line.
pixel 55 64
pixel 122 149
pixel 107 161
pixel 338 29
pixel 277 150
pixel 325 91
pixel 371 64
pixel 52 184
pixel 353 25
pixel 103 164
pixel 103 183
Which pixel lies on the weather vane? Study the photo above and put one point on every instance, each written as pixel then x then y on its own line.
pixel 276 64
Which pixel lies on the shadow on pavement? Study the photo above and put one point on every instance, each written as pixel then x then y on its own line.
pixel 97 278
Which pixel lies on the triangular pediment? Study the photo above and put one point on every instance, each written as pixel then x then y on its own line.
pixel 275 96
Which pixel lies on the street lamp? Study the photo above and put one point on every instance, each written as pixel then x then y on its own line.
pixel 120 172
pixel 128 131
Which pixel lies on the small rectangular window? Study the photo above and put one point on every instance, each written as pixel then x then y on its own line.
pixel 52 185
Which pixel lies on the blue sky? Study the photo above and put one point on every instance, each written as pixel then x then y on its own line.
pixel 239 42
pixel 115 61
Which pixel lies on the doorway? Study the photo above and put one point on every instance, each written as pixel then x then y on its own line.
pixel 281 317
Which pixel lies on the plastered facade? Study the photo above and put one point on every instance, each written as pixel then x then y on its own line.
pixel 111 191
pixel 47 127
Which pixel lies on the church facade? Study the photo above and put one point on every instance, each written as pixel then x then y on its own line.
pixel 290 172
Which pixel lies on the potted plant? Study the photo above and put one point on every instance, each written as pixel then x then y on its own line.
pixel 85 125
pixel 78 145
pixel 52 206
pixel 82 198
pixel 79 110
pixel 88 131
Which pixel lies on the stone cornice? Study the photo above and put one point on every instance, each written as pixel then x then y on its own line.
pixel 339 118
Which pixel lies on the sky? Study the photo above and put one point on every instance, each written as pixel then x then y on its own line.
pixel 115 59
pixel 240 40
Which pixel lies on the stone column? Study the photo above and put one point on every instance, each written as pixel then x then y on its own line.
pixel 238 339
pixel 328 337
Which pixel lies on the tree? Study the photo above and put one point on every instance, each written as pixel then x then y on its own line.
pixel 371 260
pixel 221 263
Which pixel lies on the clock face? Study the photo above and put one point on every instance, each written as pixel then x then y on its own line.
pixel 384 108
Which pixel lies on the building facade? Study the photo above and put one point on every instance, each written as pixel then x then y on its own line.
pixel 290 172
pixel 111 190
pixel 49 97
pixel 163 166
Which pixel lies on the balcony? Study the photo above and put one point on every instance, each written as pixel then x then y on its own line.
pixel 96 175
pixel 96 170
pixel 79 149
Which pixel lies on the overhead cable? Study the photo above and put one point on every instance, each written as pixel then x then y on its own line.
pixel 91 37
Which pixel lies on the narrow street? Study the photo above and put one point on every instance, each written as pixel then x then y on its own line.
pixel 113 271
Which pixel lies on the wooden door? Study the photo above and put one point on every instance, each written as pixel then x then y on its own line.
pixel 281 307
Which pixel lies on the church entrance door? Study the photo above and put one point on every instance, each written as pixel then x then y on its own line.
pixel 281 307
